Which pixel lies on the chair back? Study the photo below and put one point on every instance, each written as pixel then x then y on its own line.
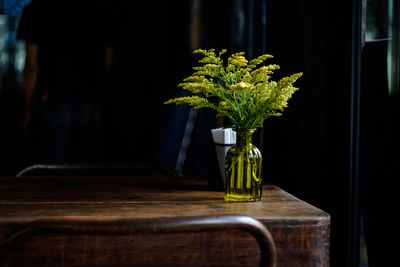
pixel 100 169
pixel 207 241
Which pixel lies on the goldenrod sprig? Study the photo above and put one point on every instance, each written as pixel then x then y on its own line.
pixel 246 94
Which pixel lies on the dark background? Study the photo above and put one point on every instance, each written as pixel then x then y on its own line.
pixel 341 109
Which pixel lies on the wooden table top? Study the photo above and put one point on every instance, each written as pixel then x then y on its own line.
pixel 145 197
pixel 296 226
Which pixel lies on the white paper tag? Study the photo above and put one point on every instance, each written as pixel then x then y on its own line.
pixel 223 138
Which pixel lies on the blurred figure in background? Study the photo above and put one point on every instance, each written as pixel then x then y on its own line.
pixel 68 55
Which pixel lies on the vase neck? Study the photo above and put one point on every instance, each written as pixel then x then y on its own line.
pixel 244 136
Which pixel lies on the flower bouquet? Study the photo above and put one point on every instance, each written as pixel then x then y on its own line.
pixel 243 92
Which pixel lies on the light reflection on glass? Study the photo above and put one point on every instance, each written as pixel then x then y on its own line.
pixel 382 25
pixel 389 49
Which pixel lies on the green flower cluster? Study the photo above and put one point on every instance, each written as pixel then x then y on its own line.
pixel 246 95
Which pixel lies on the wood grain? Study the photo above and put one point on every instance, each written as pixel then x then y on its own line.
pixel 190 241
pixel 300 230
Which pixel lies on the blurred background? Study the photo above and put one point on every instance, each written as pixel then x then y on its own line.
pixel 336 146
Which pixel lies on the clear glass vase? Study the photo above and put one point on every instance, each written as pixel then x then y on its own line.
pixel 243 161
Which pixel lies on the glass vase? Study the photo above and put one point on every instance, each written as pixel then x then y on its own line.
pixel 243 161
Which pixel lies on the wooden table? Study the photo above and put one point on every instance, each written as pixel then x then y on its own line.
pixel 300 231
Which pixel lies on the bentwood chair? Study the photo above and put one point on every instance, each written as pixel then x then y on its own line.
pixel 100 169
pixel 207 241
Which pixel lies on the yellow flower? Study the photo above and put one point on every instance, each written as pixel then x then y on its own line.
pixel 246 96
pixel 239 61
pixel 211 66
pixel 259 70
pixel 241 86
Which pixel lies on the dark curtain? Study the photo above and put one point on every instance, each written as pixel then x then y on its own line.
pixel 306 151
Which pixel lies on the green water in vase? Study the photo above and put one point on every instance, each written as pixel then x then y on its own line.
pixel 243 161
